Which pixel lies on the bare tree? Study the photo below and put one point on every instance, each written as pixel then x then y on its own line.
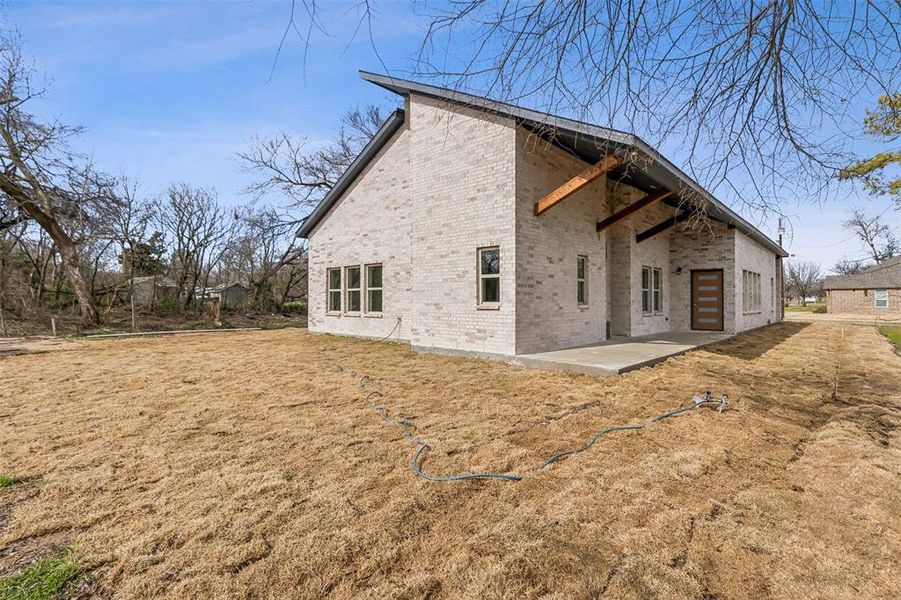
pixel 304 173
pixel 128 229
pixel 802 279
pixel 846 266
pixel 265 251
pixel 198 231
pixel 41 179
pixel 876 236
pixel 746 89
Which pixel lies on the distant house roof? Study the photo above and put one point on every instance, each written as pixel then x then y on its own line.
pixel 223 286
pixel 160 280
pixel 587 141
pixel 885 275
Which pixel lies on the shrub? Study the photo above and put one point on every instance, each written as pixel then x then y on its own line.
pixel 819 309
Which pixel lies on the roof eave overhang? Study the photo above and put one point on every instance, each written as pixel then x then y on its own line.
pixel 659 168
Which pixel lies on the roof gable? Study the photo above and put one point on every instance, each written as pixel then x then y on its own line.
pixel 369 152
pixel 584 139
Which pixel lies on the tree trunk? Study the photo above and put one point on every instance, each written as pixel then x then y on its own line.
pixel 67 250
pixel 89 315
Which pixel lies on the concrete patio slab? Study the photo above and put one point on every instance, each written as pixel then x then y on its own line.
pixel 620 354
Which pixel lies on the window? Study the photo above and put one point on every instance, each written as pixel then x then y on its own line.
pixel 656 294
pixel 351 289
pixel 880 297
pixel 651 290
pixel 582 280
pixel 373 288
pixel 772 295
pixel 750 294
pixel 334 290
pixel 489 275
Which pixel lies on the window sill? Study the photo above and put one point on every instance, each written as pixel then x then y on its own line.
pixel 494 306
pixel 352 314
pixel 753 312
pixel 332 313
pixel 373 315
pixel 583 307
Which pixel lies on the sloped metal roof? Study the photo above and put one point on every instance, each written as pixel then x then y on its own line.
pixel 587 141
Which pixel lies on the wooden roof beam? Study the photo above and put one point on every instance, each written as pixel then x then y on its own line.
pixel 605 165
pixel 662 226
pixel 632 208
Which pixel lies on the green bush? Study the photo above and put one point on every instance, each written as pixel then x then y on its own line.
pixel 819 309
pixel 296 306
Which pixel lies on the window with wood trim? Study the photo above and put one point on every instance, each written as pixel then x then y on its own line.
pixel 352 289
pixel 373 289
pixel 333 293
pixel 880 298
pixel 651 290
pixel 489 276
pixel 582 280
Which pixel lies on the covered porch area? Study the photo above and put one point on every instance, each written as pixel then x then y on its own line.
pixel 620 354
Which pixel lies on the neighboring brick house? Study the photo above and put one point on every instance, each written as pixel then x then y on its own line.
pixel 873 291
pixel 479 227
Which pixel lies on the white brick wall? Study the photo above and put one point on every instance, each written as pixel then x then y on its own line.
pixel 462 172
pixel 700 248
pixel 653 252
pixel 547 312
pixel 452 180
pixel 370 224
pixel 752 256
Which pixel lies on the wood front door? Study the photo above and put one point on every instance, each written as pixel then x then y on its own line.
pixel 707 300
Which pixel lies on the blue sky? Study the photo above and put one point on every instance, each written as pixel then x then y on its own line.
pixel 170 91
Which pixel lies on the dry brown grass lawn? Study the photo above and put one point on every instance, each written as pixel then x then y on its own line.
pixel 246 465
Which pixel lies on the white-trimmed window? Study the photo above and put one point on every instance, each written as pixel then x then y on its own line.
pixel 582 280
pixel 657 290
pixel 489 276
pixel 333 293
pixel 772 294
pixel 750 294
pixel 352 289
pixel 651 290
pixel 880 298
pixel 374 289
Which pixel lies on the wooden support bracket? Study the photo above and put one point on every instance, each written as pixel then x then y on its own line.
pixel 632 208
pixel 606 164
pixel 662 226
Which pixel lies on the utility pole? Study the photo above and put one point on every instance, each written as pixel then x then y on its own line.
pixel 781 274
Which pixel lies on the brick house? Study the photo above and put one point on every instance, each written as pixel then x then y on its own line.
pixel 472 226
pixel 873 291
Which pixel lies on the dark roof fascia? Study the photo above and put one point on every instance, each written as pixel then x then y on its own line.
pixel 661 169
pixel 378 141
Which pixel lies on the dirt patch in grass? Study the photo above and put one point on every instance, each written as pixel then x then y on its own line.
pixel 247 465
